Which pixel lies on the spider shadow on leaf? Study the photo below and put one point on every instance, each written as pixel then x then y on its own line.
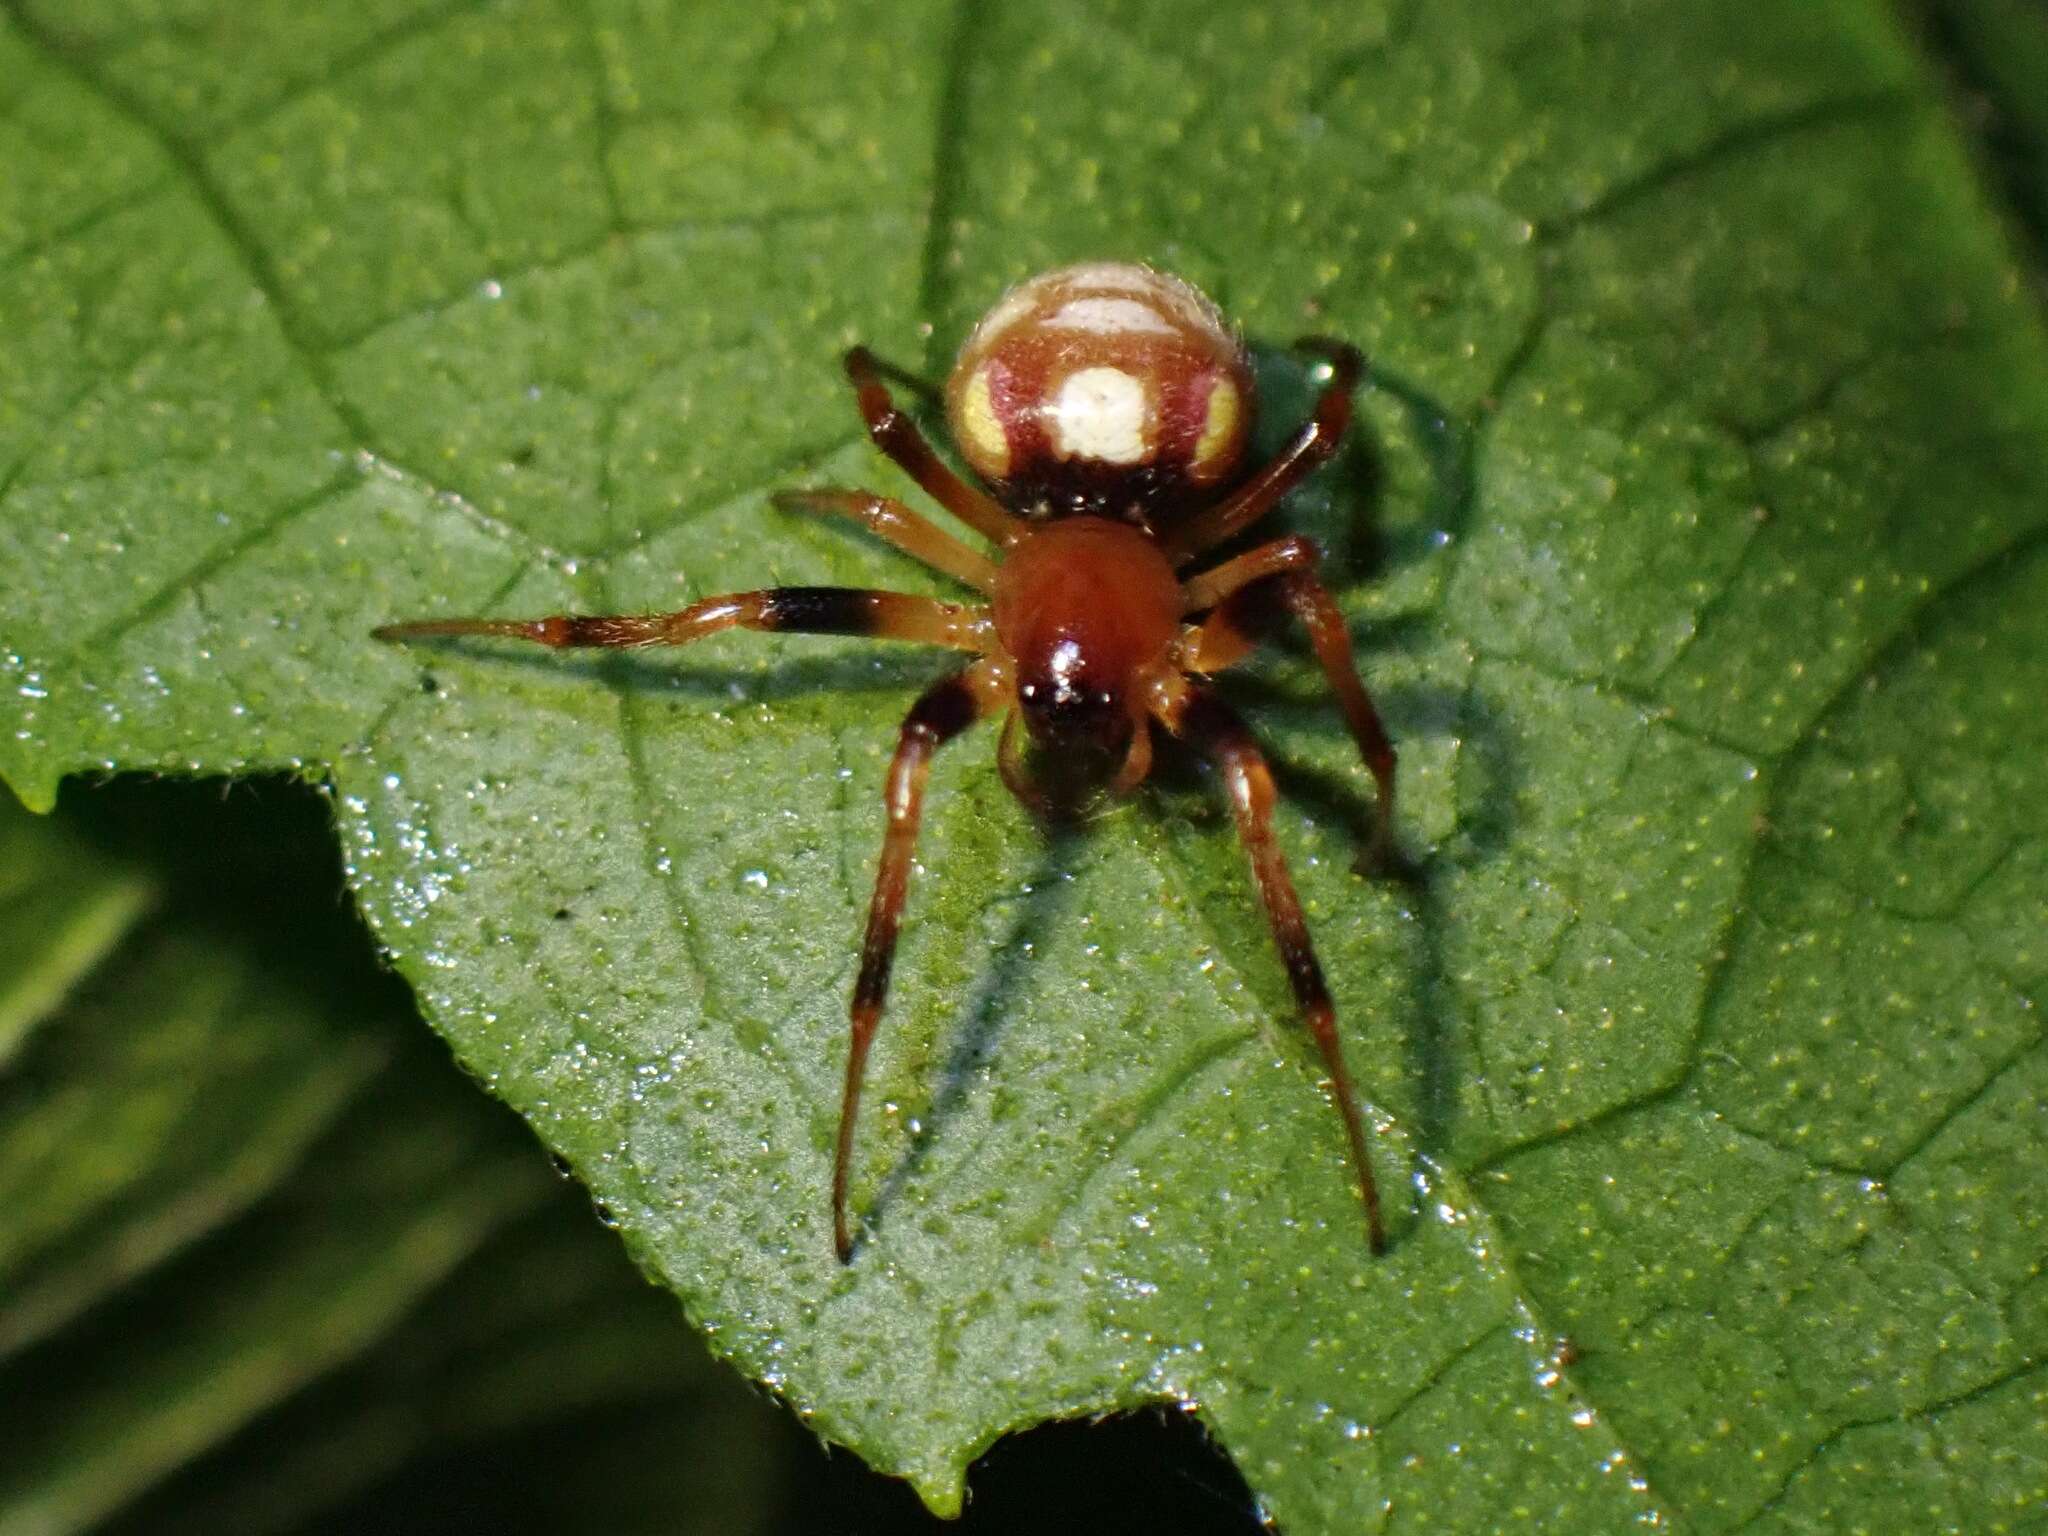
pixel 1492 779
pixel 977 1025
pixel 1343 510
pixel 849 668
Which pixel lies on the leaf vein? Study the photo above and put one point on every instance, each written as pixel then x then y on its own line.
pixel 212 564
pixel 102 212
pixel 567 257
pixel 364 55
pixel 187 162
pixel 633 742
pixel 1828 1442
pixel 1152 1107
pixel 1746 138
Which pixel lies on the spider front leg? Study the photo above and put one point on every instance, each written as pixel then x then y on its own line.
pixel 1196 715
pixel 1310 448
pixel 1286 570
pixel 897 436
pixel 894 523
pixel 946 709
pixel 795 610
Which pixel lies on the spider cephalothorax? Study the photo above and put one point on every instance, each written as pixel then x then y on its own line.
pixel 1106 406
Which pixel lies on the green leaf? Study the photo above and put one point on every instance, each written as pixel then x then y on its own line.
pixel 1694 547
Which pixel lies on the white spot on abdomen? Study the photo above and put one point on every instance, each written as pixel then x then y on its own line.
pixel 1107 317
pixel 1099 413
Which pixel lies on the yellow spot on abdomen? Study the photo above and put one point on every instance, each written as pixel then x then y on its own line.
pixel 1219 429
pixel 987 446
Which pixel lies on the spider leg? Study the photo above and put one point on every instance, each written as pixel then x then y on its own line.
pixel 896 524
pixel 798 610
pixel 1293 553
pixel 897 436
pixel 1016 776
pixel 1286 570
pixel 1137 761
pixel 1309 448
pixel 1196 715
pixel 945 709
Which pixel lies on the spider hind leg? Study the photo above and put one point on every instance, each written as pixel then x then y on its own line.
pixel 1284 574
pixel 1198 716
pixel 941 713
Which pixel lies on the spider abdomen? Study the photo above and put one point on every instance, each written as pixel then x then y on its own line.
pixel 1101 389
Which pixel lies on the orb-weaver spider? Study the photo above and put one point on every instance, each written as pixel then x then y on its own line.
pixel 1105 406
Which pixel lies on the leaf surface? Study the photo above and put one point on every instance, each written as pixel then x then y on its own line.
pixel 1694 545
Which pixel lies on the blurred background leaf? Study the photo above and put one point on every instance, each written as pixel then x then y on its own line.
pixel 1994 54
pixel 264 1251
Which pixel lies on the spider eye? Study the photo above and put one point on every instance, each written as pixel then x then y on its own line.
pixel 1064 706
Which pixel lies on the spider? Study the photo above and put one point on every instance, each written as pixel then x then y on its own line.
pixel 1105 407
